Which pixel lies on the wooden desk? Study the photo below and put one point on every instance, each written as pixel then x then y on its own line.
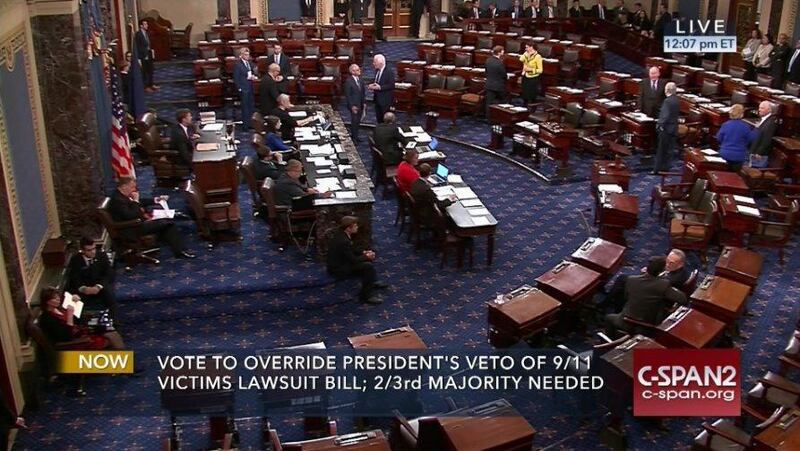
pixel 361 441
pixel 600 255
pixel 401 338
pixel 722 182
pixel 209 91
pixel 642 128
pixel 689 328
pixel 404 65
pixel 720 298
pixel 424 47
pixel 605 106
pixel 716 114
pixel 690 72
pixel 617 213
pixel 556 141
pixel 523 312
pixel 325 89
pixel 782 435
pixel 699 164
pixel 216 170
pixel 631 87
pixel 610 171
pixel 464 226
pixel 507 115
pixel 443 101
pixel 741 265
pixel 735 223
pixel 687 101
pixel 570 283
pixel 491 426
pixel 566 95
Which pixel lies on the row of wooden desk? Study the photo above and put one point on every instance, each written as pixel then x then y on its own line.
pixel 291 47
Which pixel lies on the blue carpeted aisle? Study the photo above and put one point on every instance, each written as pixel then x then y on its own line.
pixel 247 295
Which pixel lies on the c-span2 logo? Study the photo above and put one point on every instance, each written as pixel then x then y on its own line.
pixel 686 382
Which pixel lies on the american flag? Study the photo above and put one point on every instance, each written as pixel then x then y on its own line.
pixel 121 159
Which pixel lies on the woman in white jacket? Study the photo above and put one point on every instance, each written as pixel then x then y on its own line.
pixel 761 59
pixel 749 51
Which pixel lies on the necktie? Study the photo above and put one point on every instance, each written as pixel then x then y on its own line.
pixel 358 85
pixel 654 86
pixel 186 130
pixel 278 58
pixel 602 13
pixel 146 37
pixel 791 61
pixel 378 77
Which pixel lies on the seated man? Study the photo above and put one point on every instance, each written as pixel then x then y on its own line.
pixel 288 123
pixel 344 261
pixel 387 139
pixel 649 296
pixel 424 197
pixel 675 271
pixel 267 164
pixel 125 205
pixel 407 172
pixel 183 137
pixel 289 186
pixel 91 276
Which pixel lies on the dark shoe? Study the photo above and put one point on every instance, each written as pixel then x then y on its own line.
pixel 380 285
pixel 186 254
pixel 373 300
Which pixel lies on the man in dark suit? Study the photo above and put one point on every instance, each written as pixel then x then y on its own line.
pixel 345 261
pixel 145 55
pixel 308 8
pixel 496 77
pixel 270 88
pixel 779 59
pixel 359 9
pixel 766 128
pixel 548 10
pixel 639 18
pixel 651 93
pixel 279 58
pixel 649 297
pixel 576 10
pixel 667 128
pixel 417 9
pixel 125 205
pixel 516 11
pixel 244 72
pixel 355 95
pixel 660 24
pixel 793 67
pixel 382 88
pixel 183 136
pixel 387 139
pixel 425 198
pixel 532 11
pixel 491 12
pixel 380 8
pixel 675 271
pixel 600 11
pixel 288 186
pixel 91 276
pixel 621 15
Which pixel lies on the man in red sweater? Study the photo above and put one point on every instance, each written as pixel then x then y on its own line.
pixel 407 171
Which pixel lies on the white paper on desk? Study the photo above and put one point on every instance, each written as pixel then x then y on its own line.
pixel 480 220
pixel 406 134
pixel 77 306
pixel 297 114
pixel 323 171
pixel 478 211
pixel 744 199
pixel 472 203
pixel 163 214
pixel 748 210
pixel 321 162
pixel 429 155
pixel 325 149
pixel 506 105
pixel 411 145
pixel 443 192
pixel 216 127
pixel 465 192
pixel 417 129
pixel 454 178
pixel 344 167
pixel 349 183
pixel 609 188
pixel 346 195
pixel 519 108
pixel 206 147
pixel 710 152
pixel 713 159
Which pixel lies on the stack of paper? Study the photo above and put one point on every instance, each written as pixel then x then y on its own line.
pixel 454 178
pixel 472 203
pixel 207 147
pixel 744 199
pixel 77 306
pixel 465 192
pixel 748 210
pixel 298 114
pixel 480 220
pixel 710 152
pixel 215 127
pixel 326 184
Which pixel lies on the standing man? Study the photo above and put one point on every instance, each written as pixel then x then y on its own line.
pixel 269 89
pixel 145 55
pixel 359 9
pixel 762 145
pixel 576 10
pixel 495 78
pixel 793 68
pixel 621 15
pixel 548 10
pixel 491 12
pixel 532 11
pixel 308 8
pixel 92 277
pixel 516 11
pixel 780 60
pixel 345 261
pixel 651 93
pixel 599 10
pixel 244 72
pixel 667 128
pixel 382 88
pixel 475 11
pixel 417 8
pixel 355 93
pixel 380 10
pixel 279 58
pixel 662 20
pixel 388 140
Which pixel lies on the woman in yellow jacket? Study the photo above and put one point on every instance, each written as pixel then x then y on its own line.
pixel 532 68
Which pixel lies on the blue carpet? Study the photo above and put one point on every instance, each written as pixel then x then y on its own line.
pixel 248 295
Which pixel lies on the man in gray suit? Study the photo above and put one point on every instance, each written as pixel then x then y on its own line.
pixel 495 78
pixel 649 296
pixel 667 128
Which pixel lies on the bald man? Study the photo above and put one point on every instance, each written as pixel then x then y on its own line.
pixel 382 88
pixel 767 126
pixel 355 94
pixel 270 88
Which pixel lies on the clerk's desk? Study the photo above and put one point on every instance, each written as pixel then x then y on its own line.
pixel 361 441
pixel 215 171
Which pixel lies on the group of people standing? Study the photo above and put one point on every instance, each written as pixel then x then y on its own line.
pixel 762 55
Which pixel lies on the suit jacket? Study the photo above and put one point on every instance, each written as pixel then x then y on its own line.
pixel 386 137
pixel 532 12
pixel 640 21
pixel 268 92
pixel 650 101
pixel 763 142
pixel 794 69
pixel 660 25
pixel 520 12
pixel 359 9
pixel 495 74
pixel 780 59
pixel 81 274
pixel 355 93
pixel 576 12
pixel 488 14
pixel 286 67
pixel 240 75
pixel 596 12
pixel 648 298
pixel 308 11
pixel 544 14
pixel 342 255
pixel 385 96
pixel 122 208
pixel 678 277
pixel 143 45
pixel 287 188
pixel 182 143
pixel 424 200
pixel 668 117
pixel 287 124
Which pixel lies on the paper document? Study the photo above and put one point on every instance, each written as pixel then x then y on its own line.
pixel 429 155
pixel 470 203
pixel 710 152
pixel 480 221
pixel 748 210
pixel 323 171
pixel 297 114
pixel 713 159
pixel 478 211
pixel 417 129
pixel 744 199
pixel 77 306
pixel 345 194
pixel 163 214
pixel 207 147
pixel 349 183
pixel 609 188
pixel 454 178
pixel 215 127
pixel 465 193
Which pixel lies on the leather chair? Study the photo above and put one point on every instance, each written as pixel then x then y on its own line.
pixel 433 56
pixel 783 196
pixel 737 71
pixel 776 231
pixel 606 89
pixel 332 70
pixel 283 222
pixel 513 46
pixel 545 50
pixel 207 53
pixel 676 195
pixel 181 39
pixel 311 50
pixel 415 77
pixel 575 37
pixel 355 33
pixel 692 132
pixel 346 51
pixel 484 42
pixel 211 73
pixel 385 173
pixel 689 286
pixel 442 20
pixel 435 81
pixel 551 107
pixel 790 359
pixel 764 80
pixel 681 58
pixel 711 89
pixel 455 83
pixel 547 34
pixel 273 211
pixel 212 217
pixel 770 393
pixel 328 33
pixel 132 247
pixel 724 434
pixel 168 167
pixel 269 34
pixel 709 65
pixel 51 352
pixel 473 100
pixel 452 39
pixel 297 33
pixel 792 88
pixel 570 65
pixel 247 21
pixel 680 78
pixel 446 240
pixel 462 59
pixel 246 167
pixel 212 36
pixel 239 35
pixel 740 97
pixel 519 31
pixel 763 180
pixel 692 230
